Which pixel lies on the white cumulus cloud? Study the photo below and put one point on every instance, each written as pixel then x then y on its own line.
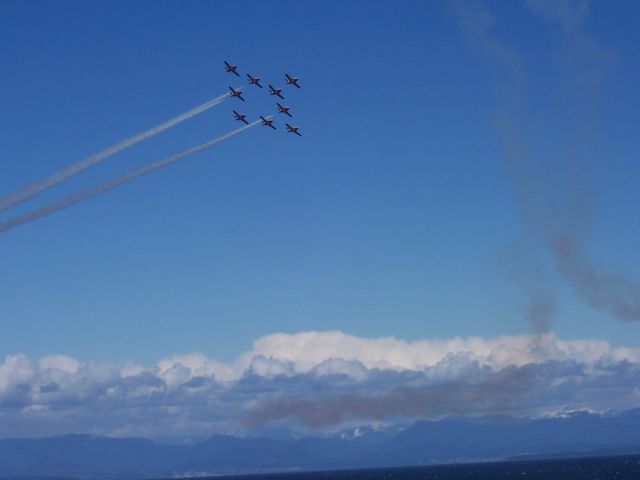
pixel 315 380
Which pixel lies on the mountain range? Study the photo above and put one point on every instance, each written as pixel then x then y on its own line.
pixel 449 440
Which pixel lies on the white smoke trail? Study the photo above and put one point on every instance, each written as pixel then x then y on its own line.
pixel 92 192
pixel 68 172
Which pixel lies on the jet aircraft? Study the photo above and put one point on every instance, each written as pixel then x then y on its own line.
pixel 275 91
pixel 267 122
pixel 240 117
pixel 292 80
pixel 254 80
pixel 231 68
pixel 291 129
pixel 236 93
pixel 283 109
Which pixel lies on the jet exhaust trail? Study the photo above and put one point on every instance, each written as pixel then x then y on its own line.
pixel 72 170
pixel 92 192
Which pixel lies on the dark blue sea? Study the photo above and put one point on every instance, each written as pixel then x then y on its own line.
pixel 595 468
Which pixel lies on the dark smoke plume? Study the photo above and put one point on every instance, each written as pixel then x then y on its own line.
pixel 555 190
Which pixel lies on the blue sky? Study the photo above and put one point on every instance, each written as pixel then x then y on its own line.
pixel 392 216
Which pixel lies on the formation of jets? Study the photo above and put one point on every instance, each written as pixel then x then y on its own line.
pixel 273 91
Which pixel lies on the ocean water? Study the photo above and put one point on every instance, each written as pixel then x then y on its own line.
pixel 595 468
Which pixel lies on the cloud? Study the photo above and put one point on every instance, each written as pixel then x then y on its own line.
pixel 316 380
pixel 59 362
pixel 306 350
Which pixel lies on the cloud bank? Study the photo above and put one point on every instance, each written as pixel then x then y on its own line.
pixel 315 381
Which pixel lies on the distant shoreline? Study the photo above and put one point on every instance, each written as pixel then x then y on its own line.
pixel 597 466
